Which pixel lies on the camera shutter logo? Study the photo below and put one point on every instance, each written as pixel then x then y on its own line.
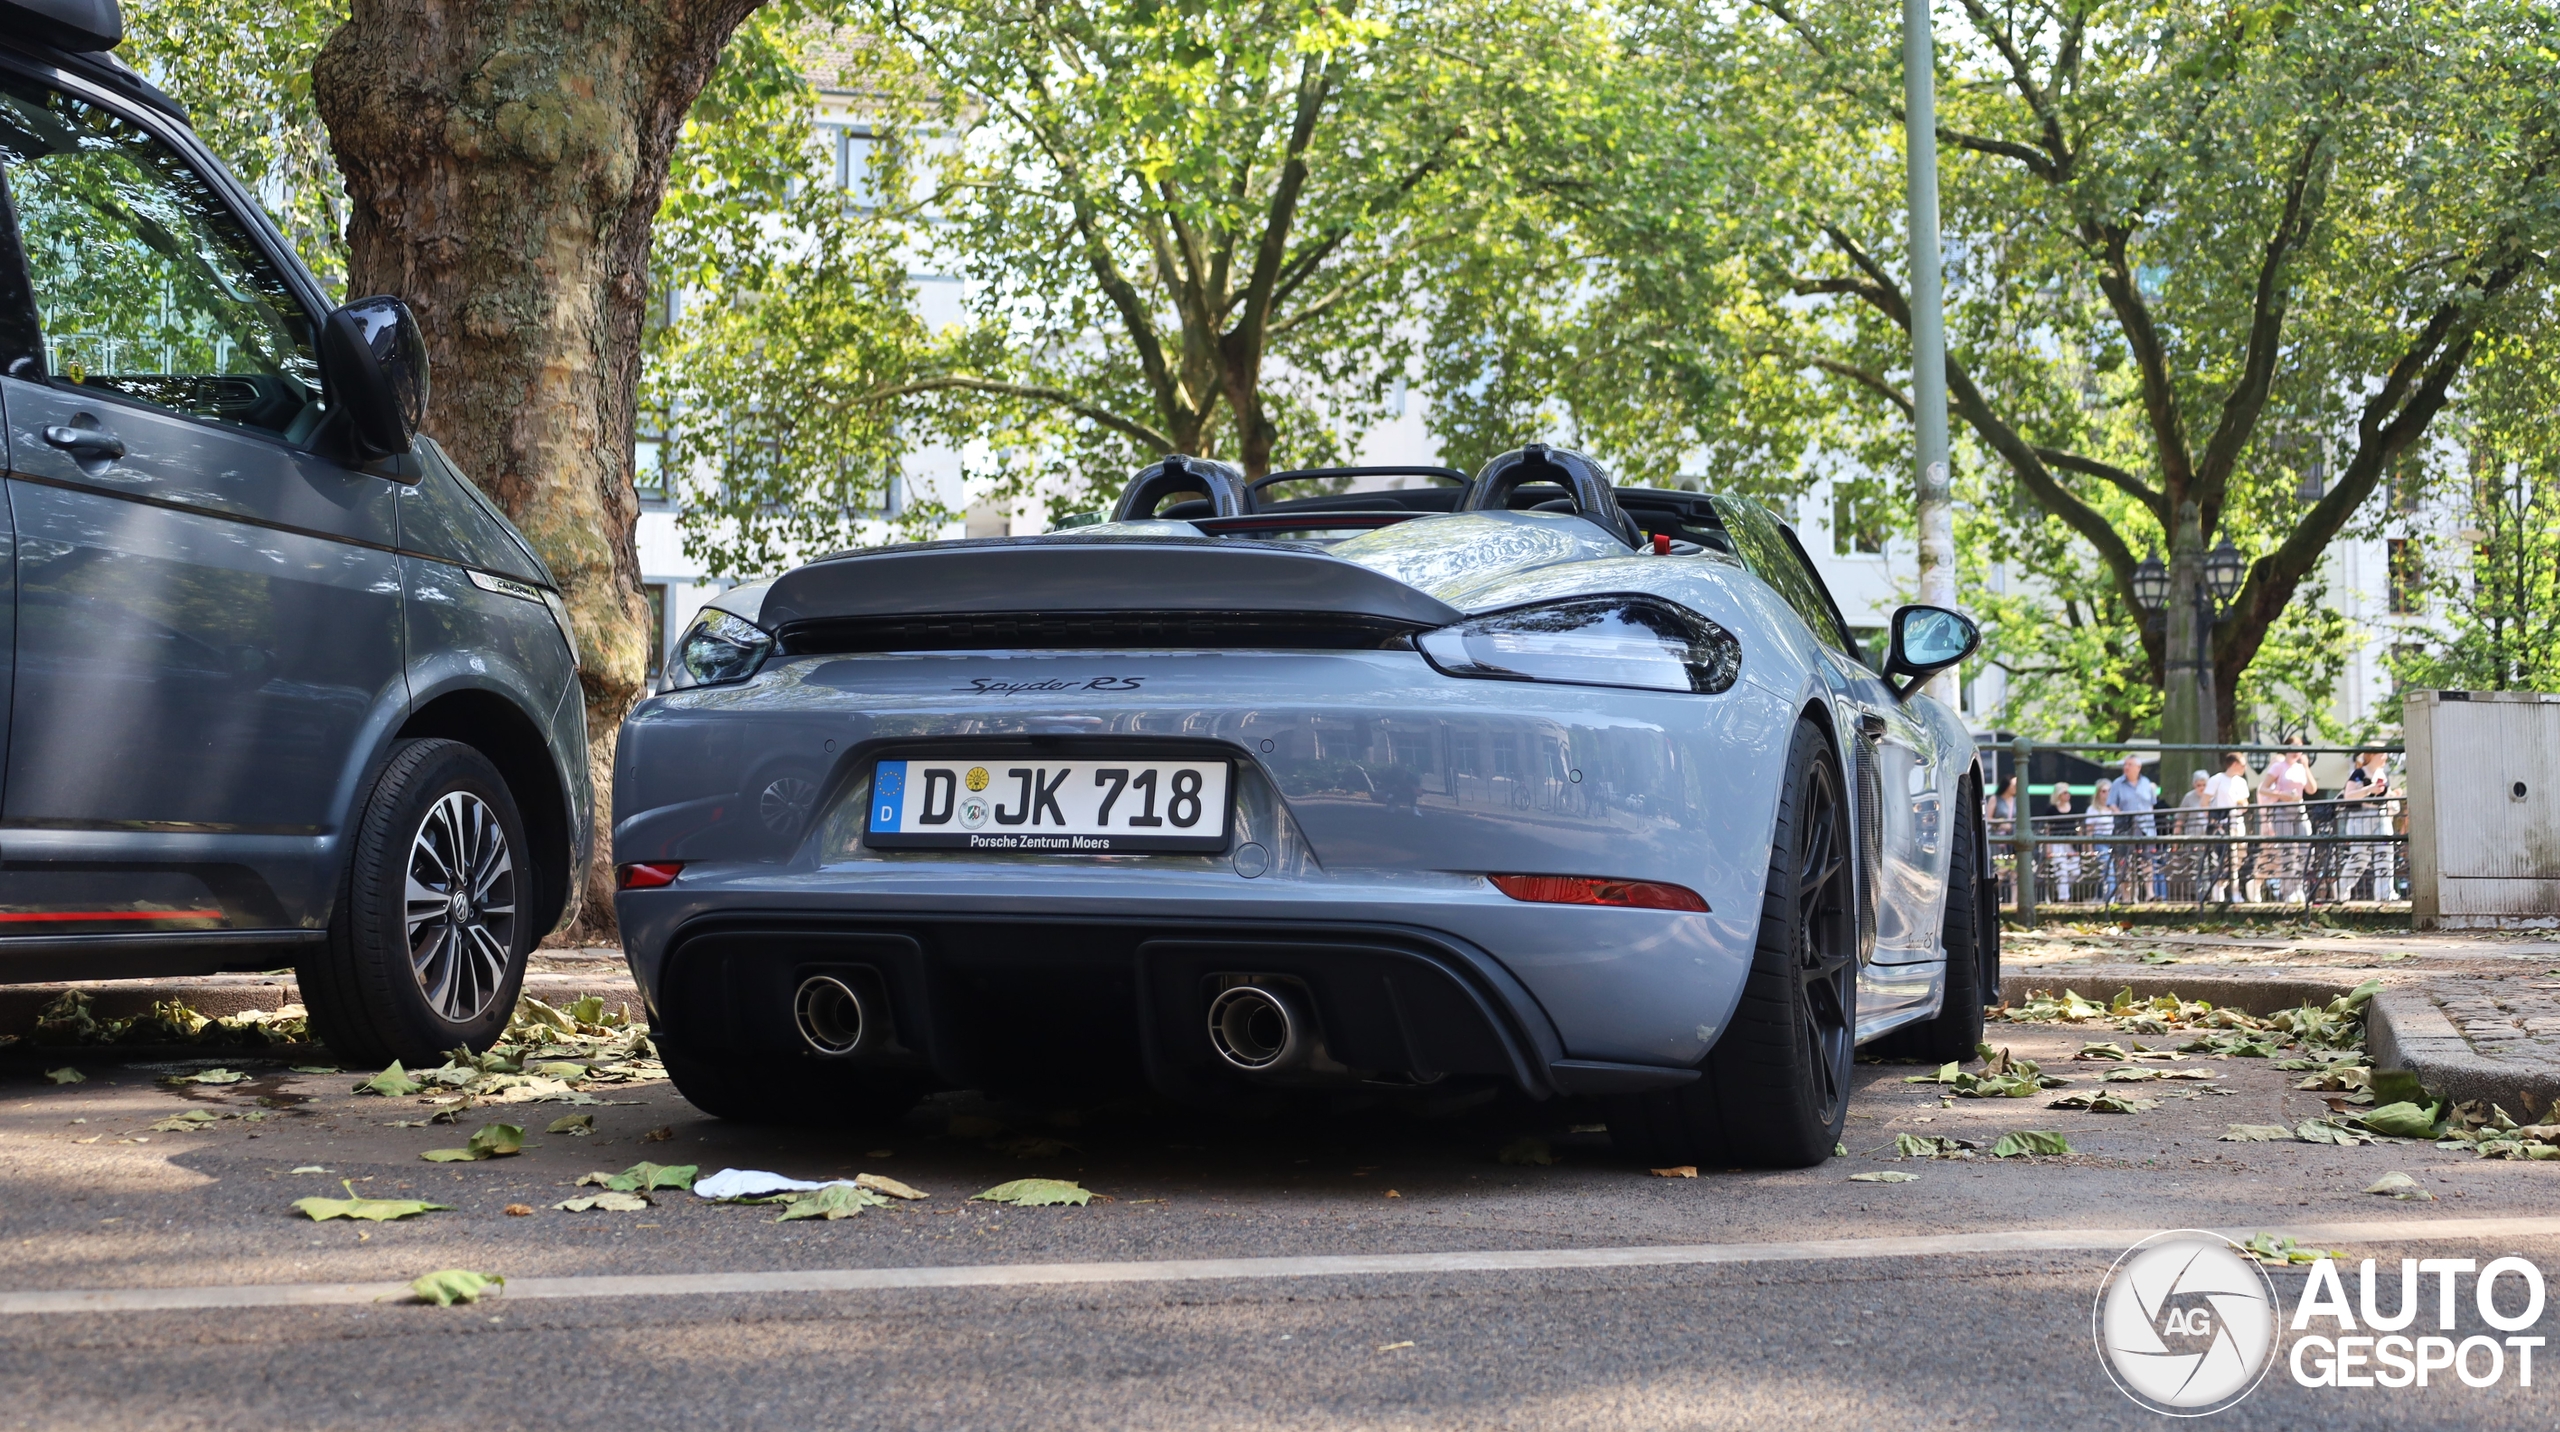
pixel 2185 1323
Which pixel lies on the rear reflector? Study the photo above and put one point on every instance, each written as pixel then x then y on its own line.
pixel 663 872
pixel 1587 890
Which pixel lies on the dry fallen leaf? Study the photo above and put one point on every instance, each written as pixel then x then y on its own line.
pixel 882 1183
pixel 1391 1347
pixel 519 1210
pixel 1391 1193
pixel 659 1135
pixel 1677 1171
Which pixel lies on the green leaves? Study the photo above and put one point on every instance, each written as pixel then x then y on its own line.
pixel 491 1141
pixel 208 1076
pixel 372 1210
pixel 2257 1134
pixel 2402 1120
pixel 66 1075
pixel 2281 1250
pixel 449 1286
pixel 2030 1141
pixel 2105 1101
pixel 1035 1193
pixel 1884 1176
pixel 645 1176
pixel 834 1201
pixel 2401 1187
pixel 393 1083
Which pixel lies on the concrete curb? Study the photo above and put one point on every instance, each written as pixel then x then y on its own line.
pixel 2253 991
pixel 2405 1030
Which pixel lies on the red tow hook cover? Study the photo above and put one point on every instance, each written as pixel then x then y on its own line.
pixel 648 875
pixel 1662 544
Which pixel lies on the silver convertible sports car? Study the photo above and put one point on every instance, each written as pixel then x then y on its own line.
pixel 1515 780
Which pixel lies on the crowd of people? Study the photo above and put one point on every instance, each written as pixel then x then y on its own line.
pixel 2256 826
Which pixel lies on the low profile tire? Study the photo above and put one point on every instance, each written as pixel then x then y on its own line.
pixel 1775 1089
pixel 428 946
pixel 1973 957
pixel 789 1090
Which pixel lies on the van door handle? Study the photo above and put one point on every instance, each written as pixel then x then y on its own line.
pixel 89 442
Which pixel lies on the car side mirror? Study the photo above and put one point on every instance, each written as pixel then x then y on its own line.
pixel 1926 641
pixel 374 360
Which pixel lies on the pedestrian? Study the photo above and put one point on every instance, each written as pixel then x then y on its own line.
pixel 2193 819
pixel 2368 796
pixel 2062 857
pixel 2000 820
pixel 2280 795
pixel 2110 857
pixel 2134 797
pixel 2226 804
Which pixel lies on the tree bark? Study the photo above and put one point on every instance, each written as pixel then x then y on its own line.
pixel 505 163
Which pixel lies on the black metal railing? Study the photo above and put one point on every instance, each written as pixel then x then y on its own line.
pixel 2331 850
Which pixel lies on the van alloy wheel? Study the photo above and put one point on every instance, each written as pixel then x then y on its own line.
pixel 461 906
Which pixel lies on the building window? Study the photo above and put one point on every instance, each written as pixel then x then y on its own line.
pixel 2408 485
pixel 655 594
pixel 1857 523
pixel 649 456
pixel 2407 577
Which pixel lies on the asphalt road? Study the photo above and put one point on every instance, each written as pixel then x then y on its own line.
pixel 1887 1339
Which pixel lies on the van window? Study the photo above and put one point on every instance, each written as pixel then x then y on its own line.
pixel 145 284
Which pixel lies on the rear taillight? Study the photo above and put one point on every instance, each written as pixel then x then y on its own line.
pixel 1590 890
pixel 650 875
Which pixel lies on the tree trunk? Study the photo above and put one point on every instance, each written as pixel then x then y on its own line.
pixel 505 162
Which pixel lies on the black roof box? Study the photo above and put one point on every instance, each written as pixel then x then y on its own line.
pixel 80 26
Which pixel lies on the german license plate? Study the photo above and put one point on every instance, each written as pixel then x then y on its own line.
pixel 1040 807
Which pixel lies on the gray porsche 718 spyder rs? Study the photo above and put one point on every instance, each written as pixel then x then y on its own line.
pixel 1508 780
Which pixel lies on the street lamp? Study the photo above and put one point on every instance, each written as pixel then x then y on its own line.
pixel 2188 675
pixel 2151 583
pixel 2223 569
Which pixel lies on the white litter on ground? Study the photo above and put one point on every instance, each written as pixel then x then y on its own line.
pixel 754 1183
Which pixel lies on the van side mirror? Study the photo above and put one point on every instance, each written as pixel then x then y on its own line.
pixel 1926 641
pixel 374 361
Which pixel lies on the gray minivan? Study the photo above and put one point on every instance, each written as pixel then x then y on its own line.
pixel 278 685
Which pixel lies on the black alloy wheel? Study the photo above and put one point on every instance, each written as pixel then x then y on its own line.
pixel 1827 945
pixel 1773 1092
pixel 1971 936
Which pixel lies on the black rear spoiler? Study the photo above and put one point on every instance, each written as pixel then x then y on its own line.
pixel 1106 587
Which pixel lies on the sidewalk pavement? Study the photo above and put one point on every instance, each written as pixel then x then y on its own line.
pixel 2475 1015
pixel 556 977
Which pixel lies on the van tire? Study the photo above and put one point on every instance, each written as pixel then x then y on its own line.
pixel 402 977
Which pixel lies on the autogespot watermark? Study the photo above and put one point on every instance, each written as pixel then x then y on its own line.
pixel 2186 1323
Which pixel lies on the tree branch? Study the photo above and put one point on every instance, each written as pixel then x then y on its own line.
pixel 2124 481
pixel 1081 407
pixel 2024 77
pixel 2306 190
